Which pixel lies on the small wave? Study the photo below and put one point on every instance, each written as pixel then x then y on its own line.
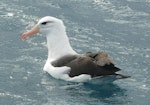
pixel 20 99
pixel 122 14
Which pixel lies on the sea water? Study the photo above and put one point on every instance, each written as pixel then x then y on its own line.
pixel 119 27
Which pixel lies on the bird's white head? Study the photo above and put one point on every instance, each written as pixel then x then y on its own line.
pixel 49 25
pixel 57 40
pixel 45 26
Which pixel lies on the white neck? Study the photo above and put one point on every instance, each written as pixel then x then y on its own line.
pixel 58 44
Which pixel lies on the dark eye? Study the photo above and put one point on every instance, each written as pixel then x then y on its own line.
pixel 44 23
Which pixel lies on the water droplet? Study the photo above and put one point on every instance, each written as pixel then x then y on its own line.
pixel 10 14
pixel 11 77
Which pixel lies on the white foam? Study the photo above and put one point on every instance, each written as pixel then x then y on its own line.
pixel 10 14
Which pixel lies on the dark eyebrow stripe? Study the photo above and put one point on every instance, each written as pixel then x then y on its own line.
pixel 46 22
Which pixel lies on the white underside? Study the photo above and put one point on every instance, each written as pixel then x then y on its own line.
pixel 62 73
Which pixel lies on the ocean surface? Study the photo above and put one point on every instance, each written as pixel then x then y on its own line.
pixel 119 27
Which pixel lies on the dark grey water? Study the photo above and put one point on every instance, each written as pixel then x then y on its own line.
pixel 120 27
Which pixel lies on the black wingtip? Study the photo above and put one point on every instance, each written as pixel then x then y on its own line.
pixel 111 67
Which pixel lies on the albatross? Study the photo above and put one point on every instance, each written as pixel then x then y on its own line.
pixel 65 63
